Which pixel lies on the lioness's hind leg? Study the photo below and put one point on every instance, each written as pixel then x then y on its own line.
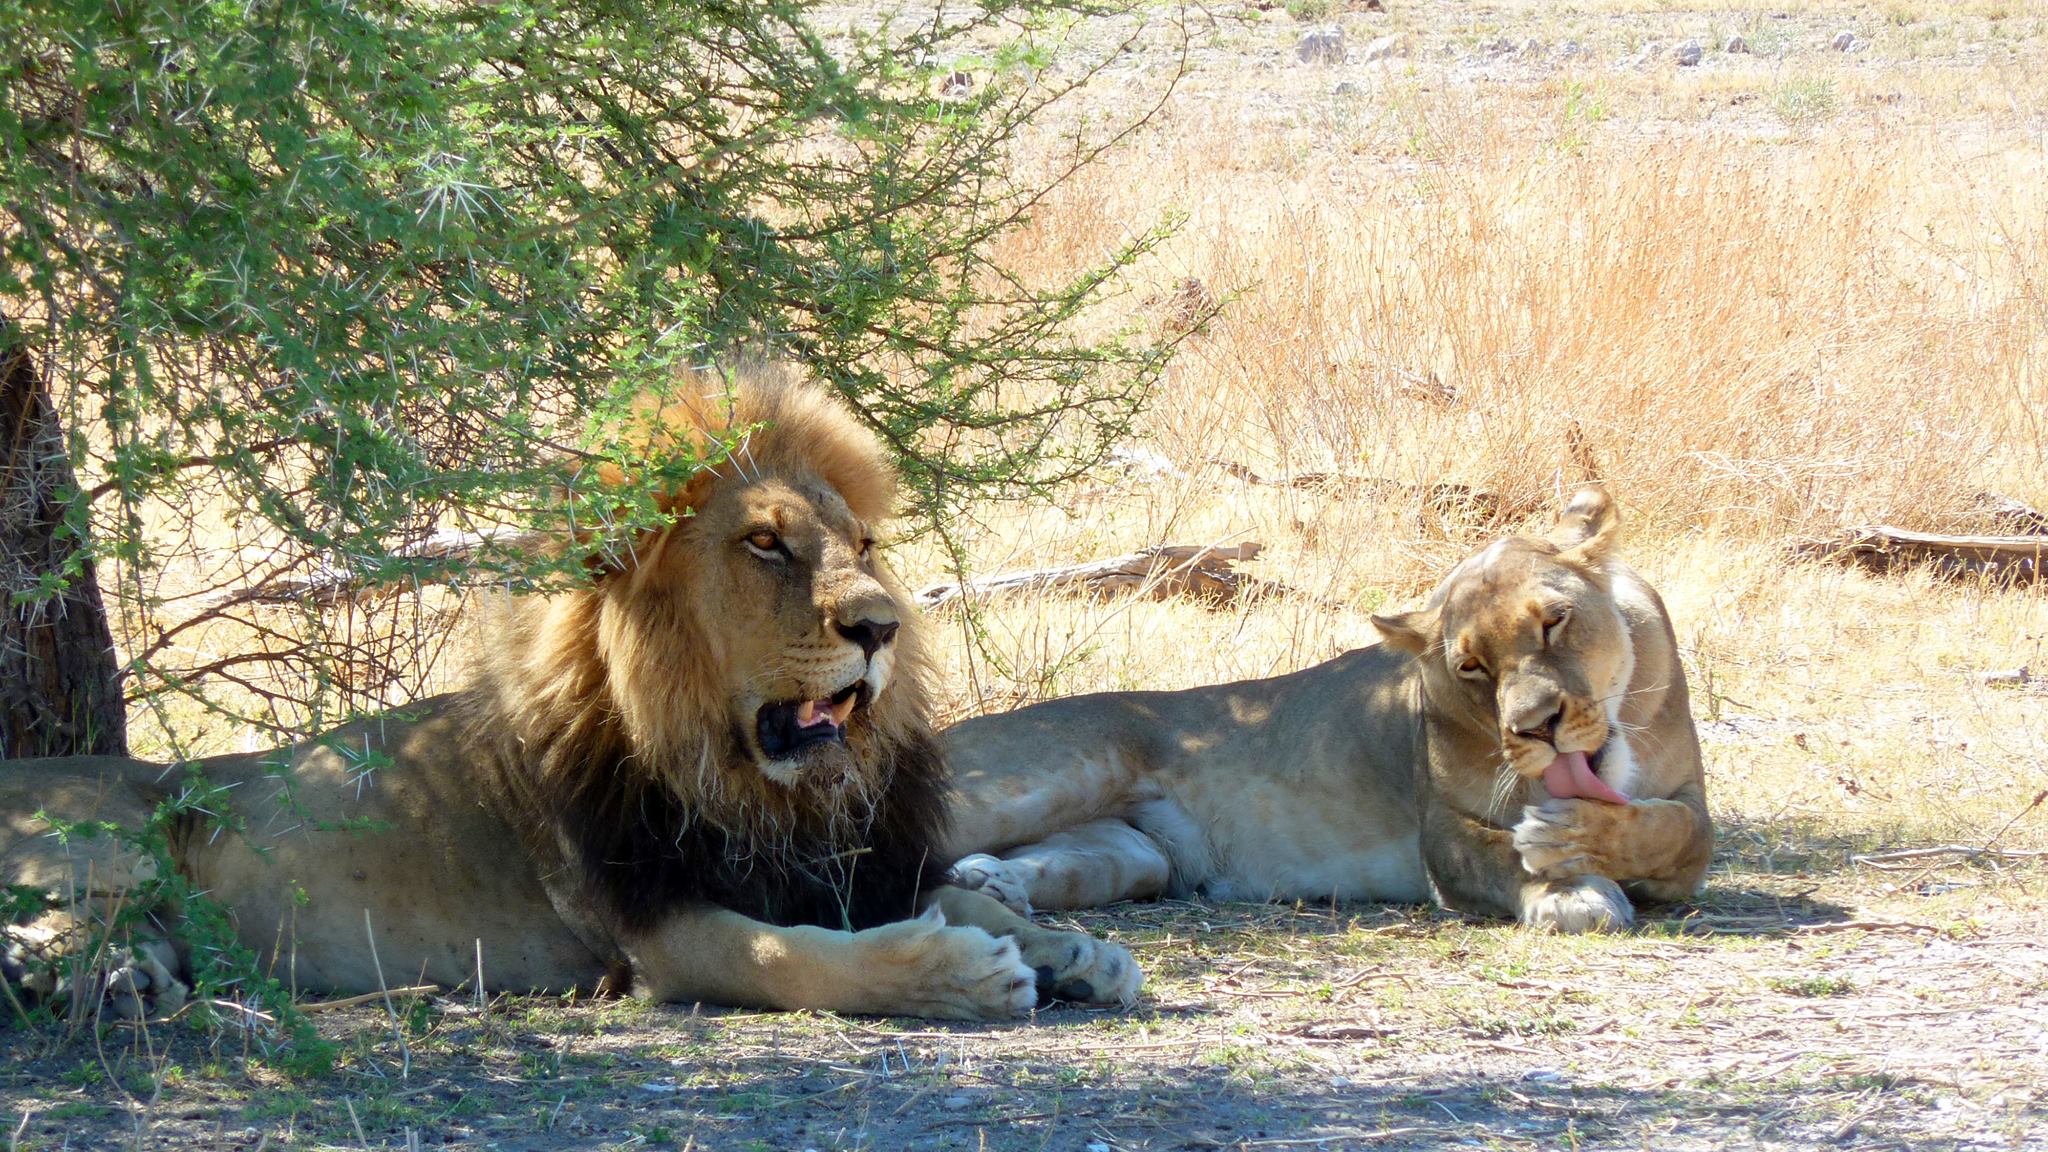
pixel 1097 863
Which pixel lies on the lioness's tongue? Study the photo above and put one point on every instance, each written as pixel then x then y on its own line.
pixel 1569 777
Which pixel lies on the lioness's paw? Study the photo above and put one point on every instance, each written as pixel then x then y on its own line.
pixel 1556 839
pixel 980 872
pixel 924 967
pixel 1581 904
pixel 1077 967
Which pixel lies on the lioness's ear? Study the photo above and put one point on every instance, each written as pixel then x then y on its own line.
pixel 1411 632
pixel 1589 528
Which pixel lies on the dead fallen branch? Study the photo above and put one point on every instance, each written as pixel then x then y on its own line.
pixel 2013 516
pixel 2003 559
pixel 333 583
pixel 1202 572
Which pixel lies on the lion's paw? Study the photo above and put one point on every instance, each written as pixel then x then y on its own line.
pixel 926 967
pixel 1077 967
pixel 1555 838
pixel 139 982
pixel 1581 904
pixel 980 872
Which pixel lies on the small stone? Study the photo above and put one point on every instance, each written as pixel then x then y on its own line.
pixel 1736 46
pixel 1380 48
pixel 1321 46
pixel 1498 47
pixel 956 86
pixel 1375 6
pixel 1845 42
pixel 954 1103
pixel 1532 47
pixel 1570 49
pixel 1688 54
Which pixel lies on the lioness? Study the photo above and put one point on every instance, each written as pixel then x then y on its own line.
pixel 1520 746
pixel 706 775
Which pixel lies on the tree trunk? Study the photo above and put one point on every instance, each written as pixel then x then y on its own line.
pixel 60 690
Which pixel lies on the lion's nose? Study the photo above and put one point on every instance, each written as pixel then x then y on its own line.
pixel 869 634
pixel 1544 729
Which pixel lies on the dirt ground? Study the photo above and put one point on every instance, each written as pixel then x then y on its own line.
pixel 1806 1001
pixel 1831 989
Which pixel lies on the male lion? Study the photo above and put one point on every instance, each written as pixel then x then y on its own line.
pixel 707 774
pixel 1521 746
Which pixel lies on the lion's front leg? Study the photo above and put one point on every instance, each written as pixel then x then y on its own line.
pixel 920 967
pixel 1661 847
pixel 1069 965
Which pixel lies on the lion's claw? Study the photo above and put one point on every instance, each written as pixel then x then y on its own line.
pixel 930 968
pixel 1553 840
pixel 1076 967
pixel 980 872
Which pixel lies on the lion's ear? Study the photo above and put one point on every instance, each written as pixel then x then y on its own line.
pixel 1589 528
pixel 1411 632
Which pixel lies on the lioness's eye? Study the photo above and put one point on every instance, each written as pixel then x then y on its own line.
pixel 867 546
pixel 765 544
pixel 1553 624
pixel 1471 666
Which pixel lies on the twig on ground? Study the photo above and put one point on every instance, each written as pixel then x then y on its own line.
pixel 1867 926
pixel 397 1031
pixel 368 997
pixel 1313 1141
pixel 1886 861
pixel 1990 846
pixel 357 1121
pixel 1847 1128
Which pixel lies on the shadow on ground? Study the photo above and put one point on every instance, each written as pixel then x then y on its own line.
pixel 710 1085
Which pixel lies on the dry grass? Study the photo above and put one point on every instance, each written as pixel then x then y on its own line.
pixel 1521 275
pixel 1773 295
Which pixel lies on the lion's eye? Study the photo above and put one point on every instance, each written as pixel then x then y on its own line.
pixel 1472 667
pixel 1554 624
pixel 767 545
pixel 867 547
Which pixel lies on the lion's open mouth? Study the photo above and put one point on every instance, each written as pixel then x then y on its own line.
pixel 787 727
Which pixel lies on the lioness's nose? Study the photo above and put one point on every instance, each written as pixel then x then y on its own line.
pixel 869 634
pixel 1544 729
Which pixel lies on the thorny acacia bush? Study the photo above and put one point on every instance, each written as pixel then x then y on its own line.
pixel 313 280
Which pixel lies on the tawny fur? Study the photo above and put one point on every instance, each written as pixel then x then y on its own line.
pixel 1385 774
pixel 599 809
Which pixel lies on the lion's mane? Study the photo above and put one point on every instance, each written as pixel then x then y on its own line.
pixel 605 712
